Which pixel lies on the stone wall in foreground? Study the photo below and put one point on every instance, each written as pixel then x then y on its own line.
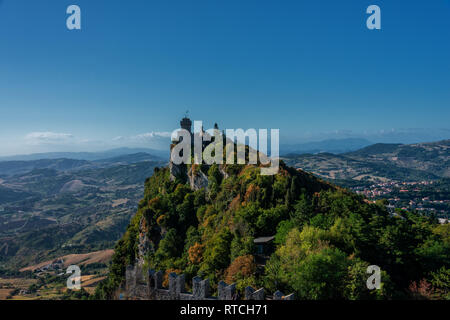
pixel 140 285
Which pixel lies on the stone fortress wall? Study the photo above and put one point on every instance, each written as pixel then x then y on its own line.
pixel 142 285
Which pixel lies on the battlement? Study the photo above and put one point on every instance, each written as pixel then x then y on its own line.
pixel 150 287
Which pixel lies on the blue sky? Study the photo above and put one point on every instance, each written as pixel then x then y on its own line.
pixel 310 68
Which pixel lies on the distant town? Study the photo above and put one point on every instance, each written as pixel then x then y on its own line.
pixel 429 197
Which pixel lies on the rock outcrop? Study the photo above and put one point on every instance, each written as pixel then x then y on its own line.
pixel 197 179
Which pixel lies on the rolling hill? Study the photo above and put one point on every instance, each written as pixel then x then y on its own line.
pixel 54 207
pixel 433 157
pixel 379 163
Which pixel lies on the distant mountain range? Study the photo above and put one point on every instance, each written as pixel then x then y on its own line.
pixel 330 145
pixel 335 146
pixel 8 168
pixel 379 163
pixel 90 156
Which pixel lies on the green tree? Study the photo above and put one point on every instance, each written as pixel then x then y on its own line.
pixel 217 252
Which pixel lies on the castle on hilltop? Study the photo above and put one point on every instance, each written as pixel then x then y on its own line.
pixel 142 283
pixel 186 124
pixel 197 179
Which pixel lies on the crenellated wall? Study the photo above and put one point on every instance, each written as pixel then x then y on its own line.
pixel 148 286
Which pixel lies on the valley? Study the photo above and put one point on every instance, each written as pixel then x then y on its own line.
pixel 52 210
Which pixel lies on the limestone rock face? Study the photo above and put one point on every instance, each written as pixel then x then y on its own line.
pixel 176 171
pixel 197 179
pixel 223 171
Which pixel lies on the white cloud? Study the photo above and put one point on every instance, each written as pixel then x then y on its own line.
pixel 152 135
pixel 152 139
pixel 156 139
pixel 37 138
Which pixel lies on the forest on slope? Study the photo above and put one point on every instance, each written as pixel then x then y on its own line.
pixel 325 237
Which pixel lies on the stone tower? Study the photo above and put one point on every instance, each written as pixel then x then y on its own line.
pixel 186 124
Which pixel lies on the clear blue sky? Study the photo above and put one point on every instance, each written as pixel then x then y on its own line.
pixel 310 68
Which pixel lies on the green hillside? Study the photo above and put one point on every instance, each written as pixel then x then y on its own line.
pixel 325 237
